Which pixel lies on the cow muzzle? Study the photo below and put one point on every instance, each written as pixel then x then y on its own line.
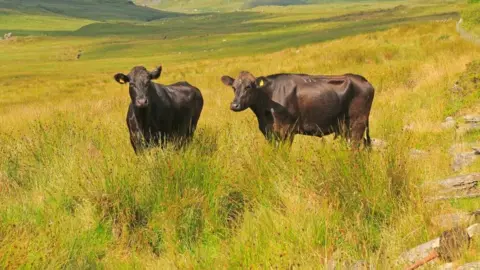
pixel 141 102
pixel 236 107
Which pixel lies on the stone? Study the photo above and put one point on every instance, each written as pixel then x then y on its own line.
pixel 463 160
pixel 448 221
pixel 474 230
pixel 472 118
pixel 420 252
pixel 462 186
pixel 468 127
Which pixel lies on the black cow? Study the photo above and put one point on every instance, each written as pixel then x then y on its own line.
pixel 315 105
pixel 157 112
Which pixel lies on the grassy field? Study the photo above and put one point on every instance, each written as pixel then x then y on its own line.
pixel 471 17
pixel 74 194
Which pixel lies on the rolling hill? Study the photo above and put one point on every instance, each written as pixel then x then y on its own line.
pixel 98 10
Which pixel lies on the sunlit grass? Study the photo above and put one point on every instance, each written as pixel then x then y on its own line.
pixel 75 195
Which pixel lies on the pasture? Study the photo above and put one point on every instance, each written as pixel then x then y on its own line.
pixel 74 195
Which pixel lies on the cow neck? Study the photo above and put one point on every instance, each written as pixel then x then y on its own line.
pixel 263 101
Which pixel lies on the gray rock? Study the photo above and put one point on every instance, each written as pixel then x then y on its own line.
pixel 472 118
pixel 462 186
pixel 462 147
pixel 474 230
pixel 468 127
pixel 463 160
pixel 420 251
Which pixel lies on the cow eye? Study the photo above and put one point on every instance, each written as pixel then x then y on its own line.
pixel 248 87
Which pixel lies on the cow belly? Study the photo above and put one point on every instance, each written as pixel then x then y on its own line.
pixel 313 129
pixel 318 122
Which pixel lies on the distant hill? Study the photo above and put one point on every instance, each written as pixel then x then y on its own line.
pixel 98 10
pixel 210 5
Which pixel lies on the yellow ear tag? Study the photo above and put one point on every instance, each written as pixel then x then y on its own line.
pixel 261 83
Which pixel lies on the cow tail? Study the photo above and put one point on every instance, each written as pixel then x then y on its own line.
pixel 368 141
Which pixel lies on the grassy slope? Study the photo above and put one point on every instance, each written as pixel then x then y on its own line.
pixel 92 9
pixel 471 18
pixel 75 195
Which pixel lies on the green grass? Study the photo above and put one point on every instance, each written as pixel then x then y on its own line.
pixel 74 195
pixel 471 17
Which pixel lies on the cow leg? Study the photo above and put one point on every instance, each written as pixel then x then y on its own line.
pixel 357 128
pixel 136 141
pixel 357 122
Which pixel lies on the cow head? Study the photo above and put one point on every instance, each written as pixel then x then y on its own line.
pixel 245 88
pixel 139 80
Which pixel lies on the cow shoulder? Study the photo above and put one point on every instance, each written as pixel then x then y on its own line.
pixel 182 94
pixel 284 96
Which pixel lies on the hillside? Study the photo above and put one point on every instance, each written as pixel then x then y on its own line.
pixel 231 5
pixel 471 17
pixel 98 10
pixel 73 194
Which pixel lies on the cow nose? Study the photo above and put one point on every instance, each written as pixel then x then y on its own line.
pixel 142 102
pixel 234 106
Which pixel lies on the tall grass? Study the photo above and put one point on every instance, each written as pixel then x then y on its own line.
pixel 74 194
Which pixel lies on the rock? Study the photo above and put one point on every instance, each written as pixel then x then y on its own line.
pixel 474 230
pixel 420 251
pixel 470 266
pixel 462 147
pixel 468 127
pixel 463 186
pixel 7 36
pixel 472 118
pixel 463 160
pixel 448 221
pixel 449 123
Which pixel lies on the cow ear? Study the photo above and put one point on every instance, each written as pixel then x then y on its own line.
pixel 155 74
pixel 121 78
pixel 261 82
pixel 227 80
